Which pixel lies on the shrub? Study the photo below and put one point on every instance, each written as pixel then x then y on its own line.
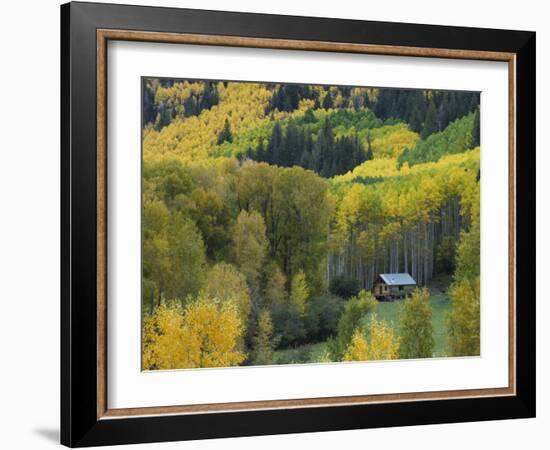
pixel 288 327
pixel 354 312
pixel 344 286
pixel 322 315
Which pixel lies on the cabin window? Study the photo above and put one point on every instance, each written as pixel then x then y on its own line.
pixel 401 288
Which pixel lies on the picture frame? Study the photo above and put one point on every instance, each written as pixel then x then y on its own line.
pixel 86 418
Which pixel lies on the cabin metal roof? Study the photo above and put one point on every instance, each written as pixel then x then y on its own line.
pixel 397 279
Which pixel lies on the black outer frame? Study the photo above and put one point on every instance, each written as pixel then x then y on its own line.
pixel 79 423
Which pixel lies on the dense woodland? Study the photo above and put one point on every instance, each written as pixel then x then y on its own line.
pixel 268 211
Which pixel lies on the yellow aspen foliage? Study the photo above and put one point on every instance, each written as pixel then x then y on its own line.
pixel 463 322
pixel 358 349
pixel 226 284
pixel 176 94
pixel 390 141
pixel 383 167
pixel 162 339
pixel 381 345
pixel 213 332
pixel 203 334
pixel 299 293
pixel 450 166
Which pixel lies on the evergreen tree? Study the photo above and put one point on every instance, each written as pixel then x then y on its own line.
pixel 190 106
pixel 443 113
pixel 306 160
pixel 164 117
pixel 370 154
pixel 274 145
pixel 359 152
pixel 291 150
pixel 366 101
pixel 454 106
pixel 384 108
pixel 309 117
pixel 149 109
pixel 474 102
pixel 430 122
pixel 417 110
pixel 260 153
pixel 322 148
pixel 327 101
pixel 225 135
pixel 209 96
pixel 476 138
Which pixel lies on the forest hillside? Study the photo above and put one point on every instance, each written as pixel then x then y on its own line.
pixel 269 210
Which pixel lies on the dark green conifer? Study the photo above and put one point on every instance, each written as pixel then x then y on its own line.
pixel 225 135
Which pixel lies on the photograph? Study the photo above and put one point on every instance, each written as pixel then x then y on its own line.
pixel 307 224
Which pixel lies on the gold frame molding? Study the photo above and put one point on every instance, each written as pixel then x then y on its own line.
pixel 105 35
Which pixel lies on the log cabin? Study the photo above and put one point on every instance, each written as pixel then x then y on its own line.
pixel 390 286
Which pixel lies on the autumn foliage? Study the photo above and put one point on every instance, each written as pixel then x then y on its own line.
pixel 203 334
pixel 268 210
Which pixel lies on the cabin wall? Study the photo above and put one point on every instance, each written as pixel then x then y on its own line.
pixel 382 290
pixel 394 290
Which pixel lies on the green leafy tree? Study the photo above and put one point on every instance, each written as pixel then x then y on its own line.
pixel 275 292
pixel 456 138
pixel 226 284
pixel 463 322
pixel 250 245
pixel 157 265
pixel 355 310
pixel 188 259
pixel 173 253
pixel 468 252
pixel 415 324
pixel 213 217
pixel 262 349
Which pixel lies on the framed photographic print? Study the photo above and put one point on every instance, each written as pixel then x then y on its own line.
pixel 276 224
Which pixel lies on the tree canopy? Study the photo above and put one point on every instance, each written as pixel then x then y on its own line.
pixel 269 209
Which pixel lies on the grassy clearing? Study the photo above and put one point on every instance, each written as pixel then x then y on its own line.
pixel 303 354
pixel 441 305
pixel 389 313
